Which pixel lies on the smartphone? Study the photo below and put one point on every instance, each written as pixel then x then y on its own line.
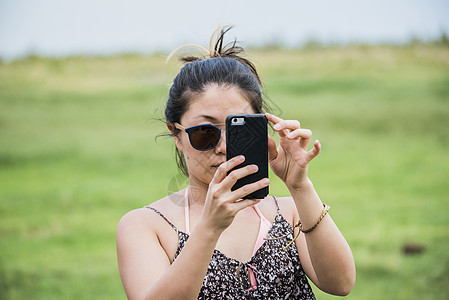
pixel 246 134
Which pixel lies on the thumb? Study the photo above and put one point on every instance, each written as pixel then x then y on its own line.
pixel 311 154
pixel 244 203
pixel 272 151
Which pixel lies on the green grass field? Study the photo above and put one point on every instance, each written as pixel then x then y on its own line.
pixel 78 150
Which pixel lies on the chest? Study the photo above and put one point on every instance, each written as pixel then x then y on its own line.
pixel 272 273
pixel 237 241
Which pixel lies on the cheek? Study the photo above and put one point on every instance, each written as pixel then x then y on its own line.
pixel 198 162
pixel 182 142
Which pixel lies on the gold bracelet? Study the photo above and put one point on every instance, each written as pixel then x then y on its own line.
pixel 323 214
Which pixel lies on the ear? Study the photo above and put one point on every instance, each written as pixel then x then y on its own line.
pixel 178 144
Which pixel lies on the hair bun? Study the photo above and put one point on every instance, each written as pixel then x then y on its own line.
pixel 218 49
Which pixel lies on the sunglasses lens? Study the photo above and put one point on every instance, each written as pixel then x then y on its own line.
pixel 204 137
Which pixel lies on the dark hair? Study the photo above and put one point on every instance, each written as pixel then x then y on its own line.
pixel 224 67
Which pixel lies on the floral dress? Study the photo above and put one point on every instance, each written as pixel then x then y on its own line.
pixel 278 273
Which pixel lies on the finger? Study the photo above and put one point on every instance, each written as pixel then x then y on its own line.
pixel 244 203
pixel 225 167
pixel 272 118
pixel 249 188
pixel 304 136
pixel 237 174
pixel 287 124
pixel 315 151
pixel 300 133
pixel 275 120
pixel 272 151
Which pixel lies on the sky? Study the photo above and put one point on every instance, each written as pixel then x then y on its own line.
pixel 96 27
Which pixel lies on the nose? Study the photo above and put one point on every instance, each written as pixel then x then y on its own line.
pixel 221 146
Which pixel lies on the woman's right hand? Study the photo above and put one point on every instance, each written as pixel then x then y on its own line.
pixel 222 204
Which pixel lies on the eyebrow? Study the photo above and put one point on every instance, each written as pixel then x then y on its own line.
pixel 207 117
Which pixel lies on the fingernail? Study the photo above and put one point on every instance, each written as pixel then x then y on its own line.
pixel 254 168
pixel 290 135
pixel 277 126
pixel 266 181
pixel 240 158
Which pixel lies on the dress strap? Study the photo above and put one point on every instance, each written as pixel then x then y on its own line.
pixel 187 211
pixel 261 216
pixel 277 204
pixel 264 228
pixel 160 214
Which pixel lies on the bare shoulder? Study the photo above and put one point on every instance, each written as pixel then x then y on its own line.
pixel 146 246
pixel 286 205
pixel 135 225
pixel 167 206
pixel 288 209
pixel 148 219
pixel 136 218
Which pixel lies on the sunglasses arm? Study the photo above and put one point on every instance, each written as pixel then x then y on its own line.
pixel 179 126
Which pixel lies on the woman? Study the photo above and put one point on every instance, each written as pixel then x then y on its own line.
pixel 219 245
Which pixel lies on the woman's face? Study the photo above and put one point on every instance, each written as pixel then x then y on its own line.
pixel 211 107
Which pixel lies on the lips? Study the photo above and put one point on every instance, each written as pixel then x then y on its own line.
pixel 217 165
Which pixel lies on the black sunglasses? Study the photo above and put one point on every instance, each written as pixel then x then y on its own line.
pixel 202 137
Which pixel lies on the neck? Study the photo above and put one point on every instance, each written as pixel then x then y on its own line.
pixel 197 192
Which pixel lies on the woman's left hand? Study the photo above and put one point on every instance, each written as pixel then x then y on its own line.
pixel 289 162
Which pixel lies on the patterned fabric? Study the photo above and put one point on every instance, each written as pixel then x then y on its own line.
pixel 278 273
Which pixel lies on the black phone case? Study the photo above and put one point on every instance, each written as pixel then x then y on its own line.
pixel 251 140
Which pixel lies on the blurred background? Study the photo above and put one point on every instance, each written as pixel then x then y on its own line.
pixel 61 28
pixel 82 91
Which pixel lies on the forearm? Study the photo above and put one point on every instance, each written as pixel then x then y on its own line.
pixel 184 278
pixel 329 252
